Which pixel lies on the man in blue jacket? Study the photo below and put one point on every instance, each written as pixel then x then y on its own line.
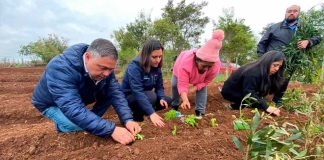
pixel 81 75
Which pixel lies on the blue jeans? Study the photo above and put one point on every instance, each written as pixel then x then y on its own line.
pixel 62 123
pixel 200 100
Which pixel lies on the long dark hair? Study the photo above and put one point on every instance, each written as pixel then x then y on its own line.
pixel 145 54
pixel 269 83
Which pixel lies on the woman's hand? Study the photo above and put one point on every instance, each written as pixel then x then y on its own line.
pixel 185 104
pixel 157 120
pixel 273 110
pixel 164 103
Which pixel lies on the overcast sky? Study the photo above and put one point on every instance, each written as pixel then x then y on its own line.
pixel 24 21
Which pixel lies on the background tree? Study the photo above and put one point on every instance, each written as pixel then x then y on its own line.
pixel 135 33
pixel 167 32
pixel 239 44
pixel 190 20
pixel 179 28
pixel 131 38
pixel 45 48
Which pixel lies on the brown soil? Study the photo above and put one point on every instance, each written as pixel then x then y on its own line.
pixel 25 134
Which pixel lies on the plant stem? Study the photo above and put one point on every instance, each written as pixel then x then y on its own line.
pixel 247 152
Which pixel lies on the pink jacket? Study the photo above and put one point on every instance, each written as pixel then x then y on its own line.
pixel 186 72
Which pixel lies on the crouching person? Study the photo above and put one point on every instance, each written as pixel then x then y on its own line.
pixel 259 78
pixel 143 84
pixel 197 67
pixel 81 75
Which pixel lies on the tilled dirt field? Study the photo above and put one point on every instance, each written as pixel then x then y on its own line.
pixel 25 134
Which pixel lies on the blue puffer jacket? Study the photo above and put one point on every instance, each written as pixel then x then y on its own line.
pixel 136 81
pixel 65 84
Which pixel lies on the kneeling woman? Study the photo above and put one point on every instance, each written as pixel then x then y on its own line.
pixel 143 84
pixel 259 78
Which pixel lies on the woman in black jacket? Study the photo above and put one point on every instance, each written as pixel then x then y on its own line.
pixel 260 78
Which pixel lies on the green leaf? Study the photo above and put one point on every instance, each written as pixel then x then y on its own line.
pixel 255 121
pixel 292 150
pixel 240 124
pixel 318 150
pixel 294 137
pixel 237 143
pixel 301 154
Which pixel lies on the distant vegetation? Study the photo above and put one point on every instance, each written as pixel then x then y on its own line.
pixel 180 28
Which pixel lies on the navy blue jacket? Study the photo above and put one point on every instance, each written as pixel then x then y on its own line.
pixel 66 84
pixel 136 81
pixel 279 35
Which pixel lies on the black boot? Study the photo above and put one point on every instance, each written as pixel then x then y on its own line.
pixel 199 115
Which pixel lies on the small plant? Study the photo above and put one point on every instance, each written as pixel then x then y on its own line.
pixel 191 120
pixel 240 123
pixel 139 136
pixel 171 114
pixel 174 131
pixel 213 122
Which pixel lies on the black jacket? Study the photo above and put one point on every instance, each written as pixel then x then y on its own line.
pixel 239 85
pixel 279 35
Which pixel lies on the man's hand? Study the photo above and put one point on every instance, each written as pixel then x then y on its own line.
pixel 273 110
pixel 122 135
pixel 302 44
pixel 157 120
pixel 133 127
pixel 164 103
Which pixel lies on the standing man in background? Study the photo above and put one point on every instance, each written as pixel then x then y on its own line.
pixel 279 35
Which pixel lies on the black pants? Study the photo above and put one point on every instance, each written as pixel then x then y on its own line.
pixel 138 114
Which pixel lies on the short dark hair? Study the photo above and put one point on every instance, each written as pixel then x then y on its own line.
pixel 145 54
pixel 101 48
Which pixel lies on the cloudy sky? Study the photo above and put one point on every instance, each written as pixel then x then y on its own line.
pixel 24 21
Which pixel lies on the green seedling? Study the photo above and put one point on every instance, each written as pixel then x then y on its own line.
pixel 171 114
pixel 139 136
pixel 213 122
pixel 240 123
pixel 174 131
pixel 191 120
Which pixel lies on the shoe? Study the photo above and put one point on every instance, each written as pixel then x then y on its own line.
pixel 199 115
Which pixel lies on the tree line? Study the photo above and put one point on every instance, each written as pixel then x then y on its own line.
pixel 179 28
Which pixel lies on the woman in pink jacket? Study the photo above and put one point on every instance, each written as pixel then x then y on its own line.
pixel 197 67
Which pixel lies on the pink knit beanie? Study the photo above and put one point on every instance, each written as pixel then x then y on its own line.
pixel 210 51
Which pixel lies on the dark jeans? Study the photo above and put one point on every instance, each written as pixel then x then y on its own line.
pixel 138 114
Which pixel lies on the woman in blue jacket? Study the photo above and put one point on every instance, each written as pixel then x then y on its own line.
pixel 260 78
pixel 143 84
